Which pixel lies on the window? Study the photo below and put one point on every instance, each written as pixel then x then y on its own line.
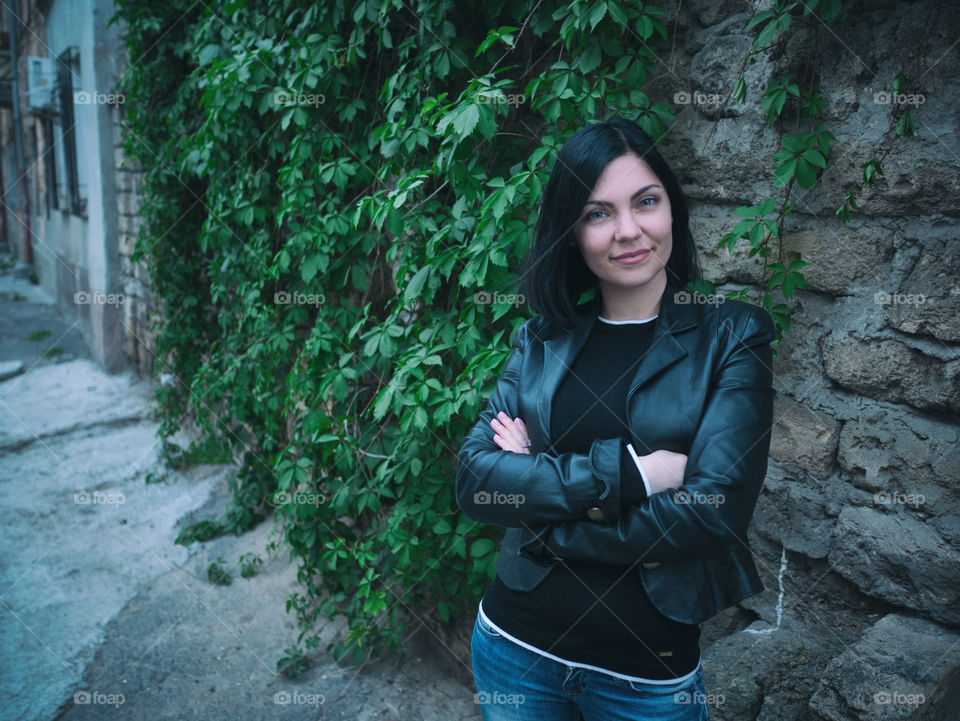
pixel 49 165
pixel 67 65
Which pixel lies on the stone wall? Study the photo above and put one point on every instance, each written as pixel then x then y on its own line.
pixel 857 530
pixel 140 340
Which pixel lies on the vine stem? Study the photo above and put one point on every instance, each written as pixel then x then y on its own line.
pixel 523 26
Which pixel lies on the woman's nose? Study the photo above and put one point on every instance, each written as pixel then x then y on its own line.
pixel 627 227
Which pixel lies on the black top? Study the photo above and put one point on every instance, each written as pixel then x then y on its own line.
pixel 594 613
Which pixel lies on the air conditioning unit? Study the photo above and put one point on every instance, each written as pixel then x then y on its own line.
pixel 41 82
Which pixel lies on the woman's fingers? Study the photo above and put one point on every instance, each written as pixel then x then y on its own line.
pixel 511 434
pixel 508 427
pixel 505 438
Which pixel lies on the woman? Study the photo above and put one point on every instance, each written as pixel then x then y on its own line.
pixel 623 448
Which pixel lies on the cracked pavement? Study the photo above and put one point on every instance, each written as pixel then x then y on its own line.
pixel 101 613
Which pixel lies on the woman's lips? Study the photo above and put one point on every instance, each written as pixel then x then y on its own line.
pixel 631 258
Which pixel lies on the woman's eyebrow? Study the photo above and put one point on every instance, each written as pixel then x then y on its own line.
pixel 607 204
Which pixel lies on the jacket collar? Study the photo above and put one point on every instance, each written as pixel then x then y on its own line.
pixel 665 350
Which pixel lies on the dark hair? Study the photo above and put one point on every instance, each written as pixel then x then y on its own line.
pixel 555 274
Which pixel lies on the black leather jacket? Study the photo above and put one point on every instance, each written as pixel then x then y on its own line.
pixel 704 389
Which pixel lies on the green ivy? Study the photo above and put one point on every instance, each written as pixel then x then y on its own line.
pixel 804 156
pixel 337 198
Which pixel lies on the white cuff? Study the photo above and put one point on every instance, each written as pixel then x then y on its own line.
pixel 643 473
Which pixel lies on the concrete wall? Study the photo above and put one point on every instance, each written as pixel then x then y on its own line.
pixel 77 258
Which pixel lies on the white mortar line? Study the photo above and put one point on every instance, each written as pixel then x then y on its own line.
pixel 783 568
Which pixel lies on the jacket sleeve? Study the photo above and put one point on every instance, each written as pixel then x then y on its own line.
pixel 519 489
pixel 725 469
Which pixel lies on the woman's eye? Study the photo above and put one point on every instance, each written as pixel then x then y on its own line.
pixel 595 214
pixel 643 201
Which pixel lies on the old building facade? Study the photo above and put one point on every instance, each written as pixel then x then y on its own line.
pixel 69 199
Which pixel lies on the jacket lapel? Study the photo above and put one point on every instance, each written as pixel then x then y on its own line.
pixel 665 349
pixel 559 353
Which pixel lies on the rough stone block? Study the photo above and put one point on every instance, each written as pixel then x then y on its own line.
pixel 889 370
pixel 893 452
pixel 841 257
pixel 901 560
pixel 895 671
pixel 795 514
pixel 928 301
pixel 803 437
pixel 721 266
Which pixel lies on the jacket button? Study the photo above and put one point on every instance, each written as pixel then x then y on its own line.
pixel 649 566
pixel 595 514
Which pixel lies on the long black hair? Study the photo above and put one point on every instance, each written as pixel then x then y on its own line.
pixel 555 275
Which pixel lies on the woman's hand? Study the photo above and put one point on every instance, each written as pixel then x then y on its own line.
pixel 511 435
pixel 664 470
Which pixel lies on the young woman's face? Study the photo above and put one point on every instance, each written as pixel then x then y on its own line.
pixel 625 230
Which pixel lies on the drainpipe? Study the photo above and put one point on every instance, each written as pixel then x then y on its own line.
pixel 13 22
pixel 3 216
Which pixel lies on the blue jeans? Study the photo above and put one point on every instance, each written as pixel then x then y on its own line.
pixel 516 684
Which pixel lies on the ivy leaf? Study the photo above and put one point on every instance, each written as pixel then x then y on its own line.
pixel 767 206
pixel 590 59
pixel 420 418
pixel 442 527
pixel 382 406
pixel 481 547
pixel 906 125
pixel 207 54
pixel 597 14
pixel 760 17
pixel 792 143
pixel 765 35
pixel 466 119
pixel 806 175
pixel 617 14
pixel 815 158
pixel 783 174
pixel 740 90
pixel 266 103
pixel 313 264
pixel 505 34
pixel 415 286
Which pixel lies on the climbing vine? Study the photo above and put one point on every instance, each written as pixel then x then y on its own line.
pixel 337 200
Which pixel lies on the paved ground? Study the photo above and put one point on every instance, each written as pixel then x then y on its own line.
pixel 101 615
